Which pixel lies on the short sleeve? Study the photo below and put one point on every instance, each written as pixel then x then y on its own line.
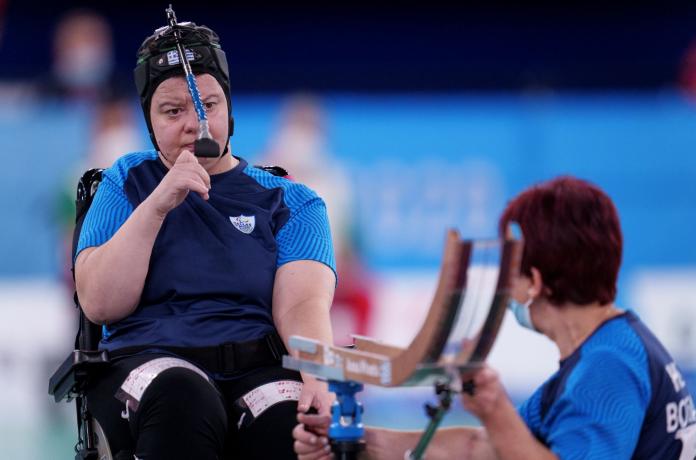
pixel 600 412
pixel 530 412
pixel 108 212
pixel 306 236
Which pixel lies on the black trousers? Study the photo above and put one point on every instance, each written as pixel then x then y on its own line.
pixel 182 416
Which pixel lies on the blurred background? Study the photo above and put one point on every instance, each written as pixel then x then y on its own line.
pixel 407 120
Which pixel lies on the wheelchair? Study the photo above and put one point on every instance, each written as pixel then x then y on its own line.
pixel 70 381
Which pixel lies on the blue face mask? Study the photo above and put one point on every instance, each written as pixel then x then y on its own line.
pixel 522 314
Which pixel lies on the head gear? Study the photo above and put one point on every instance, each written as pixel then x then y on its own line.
pixel 158 60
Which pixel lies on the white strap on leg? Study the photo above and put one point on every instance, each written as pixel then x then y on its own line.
pixel 261 398
pixel 132 389
pixel 255 402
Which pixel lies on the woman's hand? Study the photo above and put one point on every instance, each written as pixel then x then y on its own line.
pixel 311 441
pixel 185 175
pixel 110 278
pixel 506 432
pixel 488 393
pixel 315 393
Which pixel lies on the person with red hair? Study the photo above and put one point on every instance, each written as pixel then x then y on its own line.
pixel 617 393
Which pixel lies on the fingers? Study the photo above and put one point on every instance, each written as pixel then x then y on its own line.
pixel 303 406
pixel 323 454
pixel 187 165
pixel 489 393
pixel 184 176
pixel 309 440
pixel 317 456
pixel 309 446
pixel 481 376
pixel 485 376
pixel 317 424
pixel 306 398
pixel 472 384
pixel 320 402
pixel 197 186
pixel 186 157
pixel 326 402
pixel 315 394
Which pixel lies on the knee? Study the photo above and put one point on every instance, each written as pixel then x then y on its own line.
pixel 182 392
pixel 181 404
pixel 277 423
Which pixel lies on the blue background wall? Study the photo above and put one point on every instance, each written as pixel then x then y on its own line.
pixel 431 152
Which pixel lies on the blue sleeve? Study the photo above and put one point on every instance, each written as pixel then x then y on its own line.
pixel 530 412
pixel 306 236
pixel 108 212
pixel 600 412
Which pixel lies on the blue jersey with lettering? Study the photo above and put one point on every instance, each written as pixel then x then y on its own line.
pixel 618 396
pixel 213 263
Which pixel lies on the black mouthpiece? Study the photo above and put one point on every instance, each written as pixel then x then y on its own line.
pixel 206 148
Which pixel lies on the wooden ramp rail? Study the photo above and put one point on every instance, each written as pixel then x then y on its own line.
pixel 371 361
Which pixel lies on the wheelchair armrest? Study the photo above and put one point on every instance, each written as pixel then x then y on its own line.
pixel 69 380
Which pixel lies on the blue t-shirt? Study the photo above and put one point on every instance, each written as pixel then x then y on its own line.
pixel 213 263
pixel 618 396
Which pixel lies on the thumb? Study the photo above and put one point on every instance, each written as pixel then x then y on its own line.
pixel 305 401
pixel 186 157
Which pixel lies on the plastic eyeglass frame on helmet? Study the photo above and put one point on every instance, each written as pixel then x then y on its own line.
pixel 158 60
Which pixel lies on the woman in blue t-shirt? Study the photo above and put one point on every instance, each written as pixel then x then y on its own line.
pixel 617 393
pixel 200 269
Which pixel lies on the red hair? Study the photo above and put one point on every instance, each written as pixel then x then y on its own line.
pixel 572 236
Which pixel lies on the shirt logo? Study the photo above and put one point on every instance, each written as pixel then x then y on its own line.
pixel 244 224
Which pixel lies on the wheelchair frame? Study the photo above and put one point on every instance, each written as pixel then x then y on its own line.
pixel 69 381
